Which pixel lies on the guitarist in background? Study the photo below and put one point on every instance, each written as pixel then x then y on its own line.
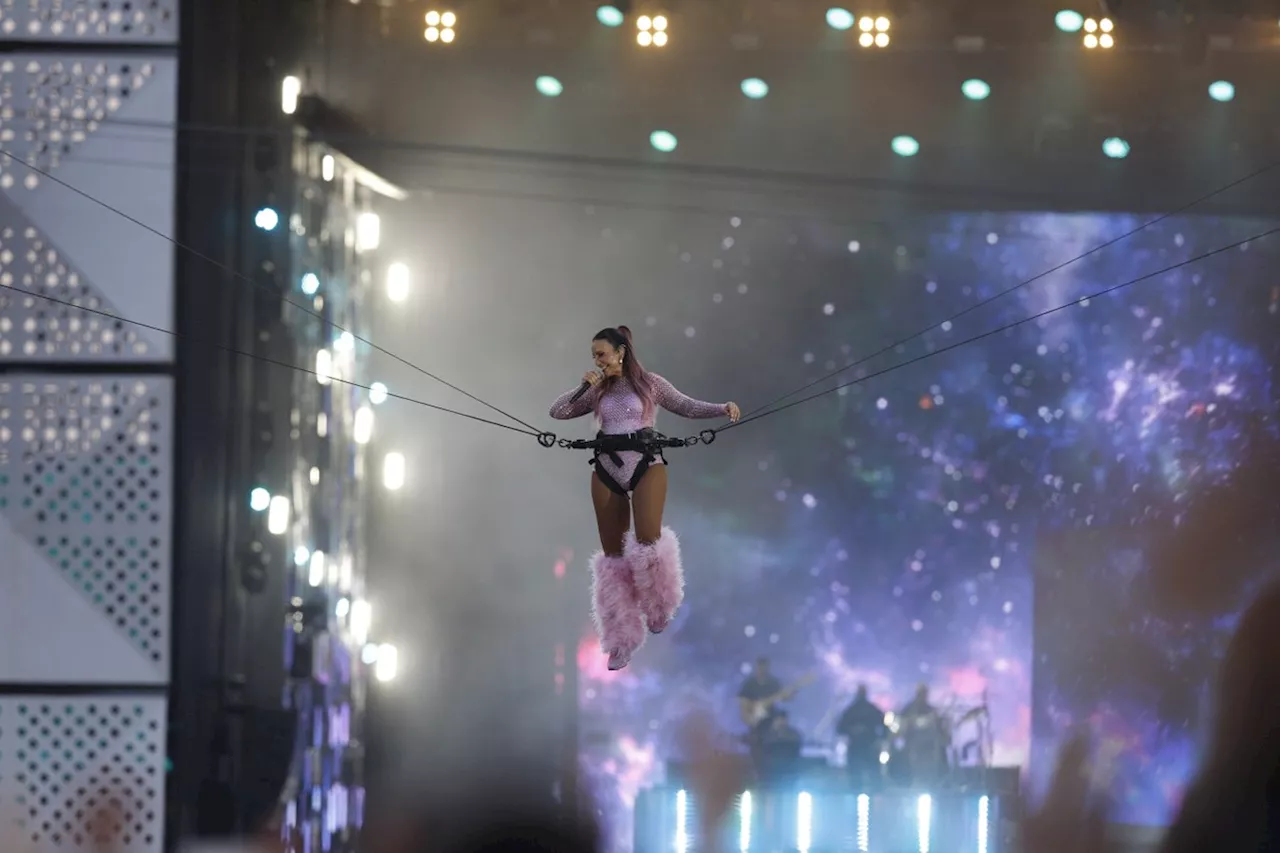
pixel 758 694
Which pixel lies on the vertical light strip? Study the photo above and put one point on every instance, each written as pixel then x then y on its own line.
pixel 864 823
pixel 924 821
pixel 984 809
pixel 682 821
pixel 804 822
pixel 744 822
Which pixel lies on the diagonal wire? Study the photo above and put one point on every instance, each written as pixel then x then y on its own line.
pixel 974 307
pixel 265 288
pixel 1004 328
pixel 257 357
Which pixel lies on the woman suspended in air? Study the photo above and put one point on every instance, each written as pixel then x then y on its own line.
pixel 637 582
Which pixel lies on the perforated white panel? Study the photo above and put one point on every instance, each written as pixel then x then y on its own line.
pixel 85 515
pixel 104 125
pixel 64 760
pixel 117 21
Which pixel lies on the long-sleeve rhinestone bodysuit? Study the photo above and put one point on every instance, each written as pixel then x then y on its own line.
pixel 621 412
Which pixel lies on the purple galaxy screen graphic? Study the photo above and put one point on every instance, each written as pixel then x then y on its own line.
pixel 890 533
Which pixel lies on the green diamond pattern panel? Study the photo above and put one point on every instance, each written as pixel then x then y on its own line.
pixel 85 495
pixel 82 773
pixel 101 21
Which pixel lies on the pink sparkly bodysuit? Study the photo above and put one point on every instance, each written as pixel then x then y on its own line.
pixel 621 411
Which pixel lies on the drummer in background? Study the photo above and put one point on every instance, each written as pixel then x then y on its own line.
pixel 924 738
pixel 865 736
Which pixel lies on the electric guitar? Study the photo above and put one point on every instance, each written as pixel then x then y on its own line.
pixel 753 712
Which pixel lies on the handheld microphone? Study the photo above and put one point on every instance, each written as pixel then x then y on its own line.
pixel 581 390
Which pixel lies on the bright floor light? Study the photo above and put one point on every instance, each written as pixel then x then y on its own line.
pixel 1069 21
pixel 839 19
pixel 663 140
pixel 682 822
pixel 368 231
pixel 1115 148
pixel 388 662
pixel 259 499
pixel 266 219
pixel 393 471
pixel 610 16
pixel 310 283
pixel 324 366
pixel 398 281
pixel 278 515
pixel 1222 91
pixel 362 429
pixel 804 821
pixel 361 620
pixel 327 167
pixel 290 89
pixel 864 824
pixel 924 822
pixel 755 88
pixel 744 822
pixel 377 393
pixel 975 90
pixel 905 146
pixel 301 556
pixel 549 86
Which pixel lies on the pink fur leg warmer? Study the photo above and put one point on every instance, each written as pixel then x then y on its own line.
pixel 659 578
pixel 616 612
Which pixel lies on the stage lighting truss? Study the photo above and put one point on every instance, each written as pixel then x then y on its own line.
pixel 1099 33
pixel 873 31
pixel 651 30
pixel 440 27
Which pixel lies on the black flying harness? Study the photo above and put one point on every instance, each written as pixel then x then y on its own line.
pixel 648 442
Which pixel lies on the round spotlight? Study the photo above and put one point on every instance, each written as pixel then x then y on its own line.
pixel 447 36
pixel 310 284
pixel 663 140
pixel 867 24
pixel 644 22
pixel 1115 148
pixel 610 16
pixel 448 19
pixel 644 38
pixel 839 19
pixel 259 499
pixel 755 88
pixel 975 90
pixel 882 24
pixel 377 393
pixel 431 34
pixel 266 219
pixel 1069 21
pixel 549 86
pixel 660 22
pixel 882 39
pixel 433 18
pixel 660 39
pixel 905 146
pixel 1091 41
pixel 1222 91
pixel 1105 41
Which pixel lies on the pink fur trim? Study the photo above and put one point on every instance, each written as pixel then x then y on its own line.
pixel 614 608
pixel 659 576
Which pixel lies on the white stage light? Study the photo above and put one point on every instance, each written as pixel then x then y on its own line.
pixel 278 515
pixel 290 89
pixel 398 281
pixel 393 471
pixel 387 664
pixel 362 429
pixel 368 231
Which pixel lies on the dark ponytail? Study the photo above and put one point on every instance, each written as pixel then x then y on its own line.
pixel 619 337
